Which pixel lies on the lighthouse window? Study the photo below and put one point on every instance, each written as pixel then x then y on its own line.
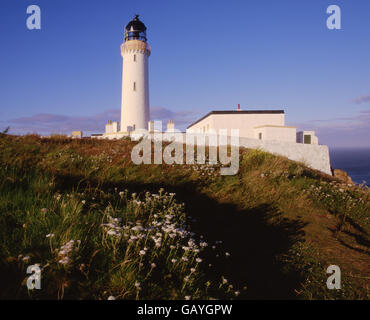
pixel 134 86
pixel 134 57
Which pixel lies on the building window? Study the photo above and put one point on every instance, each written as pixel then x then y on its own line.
pixel 307 139
pixel 260 135
pixel 135 57
pixel 134 86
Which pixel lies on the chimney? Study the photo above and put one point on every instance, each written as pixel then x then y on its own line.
pixel 238 106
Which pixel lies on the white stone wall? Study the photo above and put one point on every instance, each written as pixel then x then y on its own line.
pixel 314 156
pixel 112 136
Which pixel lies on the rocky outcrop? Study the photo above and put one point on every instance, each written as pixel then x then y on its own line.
pixel 343 176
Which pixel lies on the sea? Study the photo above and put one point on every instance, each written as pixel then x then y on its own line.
pixel 355 161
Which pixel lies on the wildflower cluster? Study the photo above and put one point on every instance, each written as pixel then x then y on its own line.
pixel 341 199
pixel 153 233
pixel 65 251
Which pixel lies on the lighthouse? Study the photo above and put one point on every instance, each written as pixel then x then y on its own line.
pixel 135 52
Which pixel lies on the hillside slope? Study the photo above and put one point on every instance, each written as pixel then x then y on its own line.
pixel 101 226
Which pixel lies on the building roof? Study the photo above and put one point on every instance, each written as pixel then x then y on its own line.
pixel 238 112
pixel 136 25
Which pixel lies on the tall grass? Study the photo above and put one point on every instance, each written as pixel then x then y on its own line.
pixel 62 205
pixel 95 244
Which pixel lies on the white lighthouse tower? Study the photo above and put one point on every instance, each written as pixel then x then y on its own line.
pixel 135 52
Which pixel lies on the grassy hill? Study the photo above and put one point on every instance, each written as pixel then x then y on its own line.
pixel 101 226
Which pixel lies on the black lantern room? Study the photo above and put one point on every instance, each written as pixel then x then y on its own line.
pixel 135 30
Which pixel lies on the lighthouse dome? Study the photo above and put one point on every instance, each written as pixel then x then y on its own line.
pixel 136 25
pixel 135 30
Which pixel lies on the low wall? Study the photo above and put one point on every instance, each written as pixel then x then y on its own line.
pixel 314 156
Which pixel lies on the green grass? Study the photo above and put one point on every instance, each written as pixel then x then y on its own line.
pixel 101 226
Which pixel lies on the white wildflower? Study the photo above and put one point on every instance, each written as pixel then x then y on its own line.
pixel 65 260
pixel 113 233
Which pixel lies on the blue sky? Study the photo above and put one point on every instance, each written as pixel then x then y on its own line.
pixel 206 55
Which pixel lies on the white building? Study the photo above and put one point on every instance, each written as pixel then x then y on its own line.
pixel 170 126
pixel 111 127
pixel 77 134
pixel 307 137
pixel 253 124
